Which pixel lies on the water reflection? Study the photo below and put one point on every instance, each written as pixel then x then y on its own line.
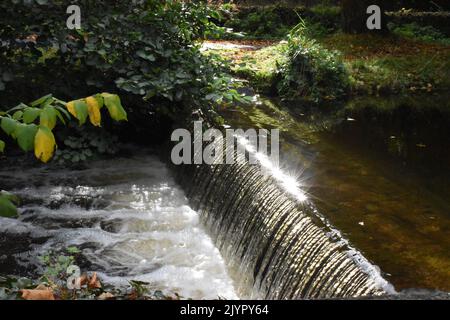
pixel 398 217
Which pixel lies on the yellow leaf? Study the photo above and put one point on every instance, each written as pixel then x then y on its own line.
pixel 94 111
pixel 71 107
pixel 44 144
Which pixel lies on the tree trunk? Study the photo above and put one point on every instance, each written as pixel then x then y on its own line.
pixel 354 16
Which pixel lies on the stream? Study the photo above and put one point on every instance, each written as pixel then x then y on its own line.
pixel 132 221
pixel 128 217
pixel 398 218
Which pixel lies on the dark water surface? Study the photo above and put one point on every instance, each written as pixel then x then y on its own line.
pixel 392 205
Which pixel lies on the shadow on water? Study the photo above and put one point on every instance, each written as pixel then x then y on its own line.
pixel 378 171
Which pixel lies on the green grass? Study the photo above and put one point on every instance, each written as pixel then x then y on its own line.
pixel 412 59
pixel 259 66
pixel 383 65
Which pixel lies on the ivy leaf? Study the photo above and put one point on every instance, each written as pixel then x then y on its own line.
pixel 8 125
pixel 48 117
pixel 44 144
pixel 25 134
pixel 30 114
pixel 116 111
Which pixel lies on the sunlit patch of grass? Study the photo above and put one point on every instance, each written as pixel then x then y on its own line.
pixel 258 64
pixel 261 66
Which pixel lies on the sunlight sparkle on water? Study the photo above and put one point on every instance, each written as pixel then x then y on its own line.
pixel 286 181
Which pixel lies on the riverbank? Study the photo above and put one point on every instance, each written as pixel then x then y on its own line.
pixel 376 65
pixel 294 52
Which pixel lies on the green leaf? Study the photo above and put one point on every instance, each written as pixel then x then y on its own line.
pixel 41 100
pixel 100 101
pixel 144 55
pixel 60 117
pixel 64 111
pixel 11 197
pixel 17 115
pixel 7 208
pixel 25 134
pixel 8 125
pixel 116 111
pixel 48 117
pixel 30 114
pixel 73 250
pixel 81 110
pixel 2 146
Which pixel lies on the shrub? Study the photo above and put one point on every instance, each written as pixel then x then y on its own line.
pixel 263 22
pixel 422 33
pixel 143 48
pixel 311 71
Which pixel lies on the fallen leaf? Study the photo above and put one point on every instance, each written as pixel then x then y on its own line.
pixel 105 296
pixel 37 294
pixel 94 283
pixel 82 280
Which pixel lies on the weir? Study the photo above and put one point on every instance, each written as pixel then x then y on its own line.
pixel 274 240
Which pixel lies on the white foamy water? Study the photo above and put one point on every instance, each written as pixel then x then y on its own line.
pixel 128 217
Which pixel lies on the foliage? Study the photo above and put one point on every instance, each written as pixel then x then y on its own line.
pixel 56 266
pixel 276 21
pixel 311 71
pixel 78 144
pixel 258 65
pixel 260 22
pixel 52 285
pixel 422 33
pixel 325 15
pixel 32 126
pixel 145 48
pixel 389 64
pixel 7 204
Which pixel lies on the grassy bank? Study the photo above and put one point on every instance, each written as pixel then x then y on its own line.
pixel 376 65
pixel 319 62
pixel 392 64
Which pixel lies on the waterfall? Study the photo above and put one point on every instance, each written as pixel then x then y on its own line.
pixel 275 242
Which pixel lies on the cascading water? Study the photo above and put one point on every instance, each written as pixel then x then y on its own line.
pixel 276 244
pixel 128 217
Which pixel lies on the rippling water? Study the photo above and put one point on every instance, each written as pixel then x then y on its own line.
pixel 129 218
